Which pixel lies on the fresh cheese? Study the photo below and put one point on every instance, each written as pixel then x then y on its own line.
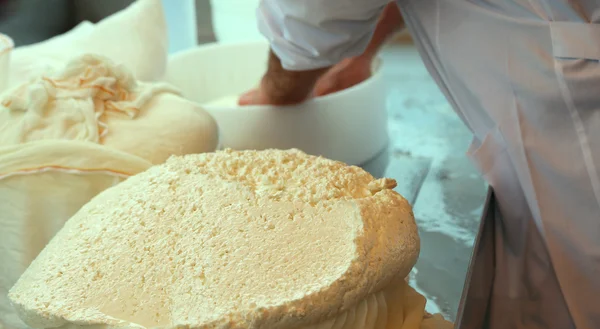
pixel 233 239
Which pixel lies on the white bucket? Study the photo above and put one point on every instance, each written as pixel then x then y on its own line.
pixel 349 126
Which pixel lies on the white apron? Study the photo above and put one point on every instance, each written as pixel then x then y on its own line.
pixel 524 75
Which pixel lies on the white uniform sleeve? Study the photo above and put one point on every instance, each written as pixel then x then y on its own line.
pixel 312 34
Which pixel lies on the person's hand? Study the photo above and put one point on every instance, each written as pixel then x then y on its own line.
pixel 282 87
pixel 346 74
pixel 260 96
pixel 255 97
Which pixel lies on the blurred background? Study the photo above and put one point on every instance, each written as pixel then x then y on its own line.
pixel 31 21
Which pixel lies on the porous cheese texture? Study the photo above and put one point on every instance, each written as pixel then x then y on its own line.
pixel 95 100
pixel 249 239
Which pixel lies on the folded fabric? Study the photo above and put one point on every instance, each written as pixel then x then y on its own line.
pixel 95 100
pixel 70 134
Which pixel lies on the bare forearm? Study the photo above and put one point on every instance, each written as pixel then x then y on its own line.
pixel 282 87
pixel 389 22
pixel 288 87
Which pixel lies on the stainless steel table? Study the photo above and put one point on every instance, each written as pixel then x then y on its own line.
pixel 426 156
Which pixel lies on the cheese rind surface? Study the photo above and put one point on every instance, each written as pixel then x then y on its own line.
pixel 232 239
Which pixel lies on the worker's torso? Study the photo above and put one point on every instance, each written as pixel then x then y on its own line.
pixel 525 77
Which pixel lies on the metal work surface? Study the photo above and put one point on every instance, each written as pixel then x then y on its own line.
pixel 427 157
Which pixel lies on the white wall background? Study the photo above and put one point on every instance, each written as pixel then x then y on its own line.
pixel 223 20
pixel 235 20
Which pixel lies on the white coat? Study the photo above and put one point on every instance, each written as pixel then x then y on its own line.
pixel 524 75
